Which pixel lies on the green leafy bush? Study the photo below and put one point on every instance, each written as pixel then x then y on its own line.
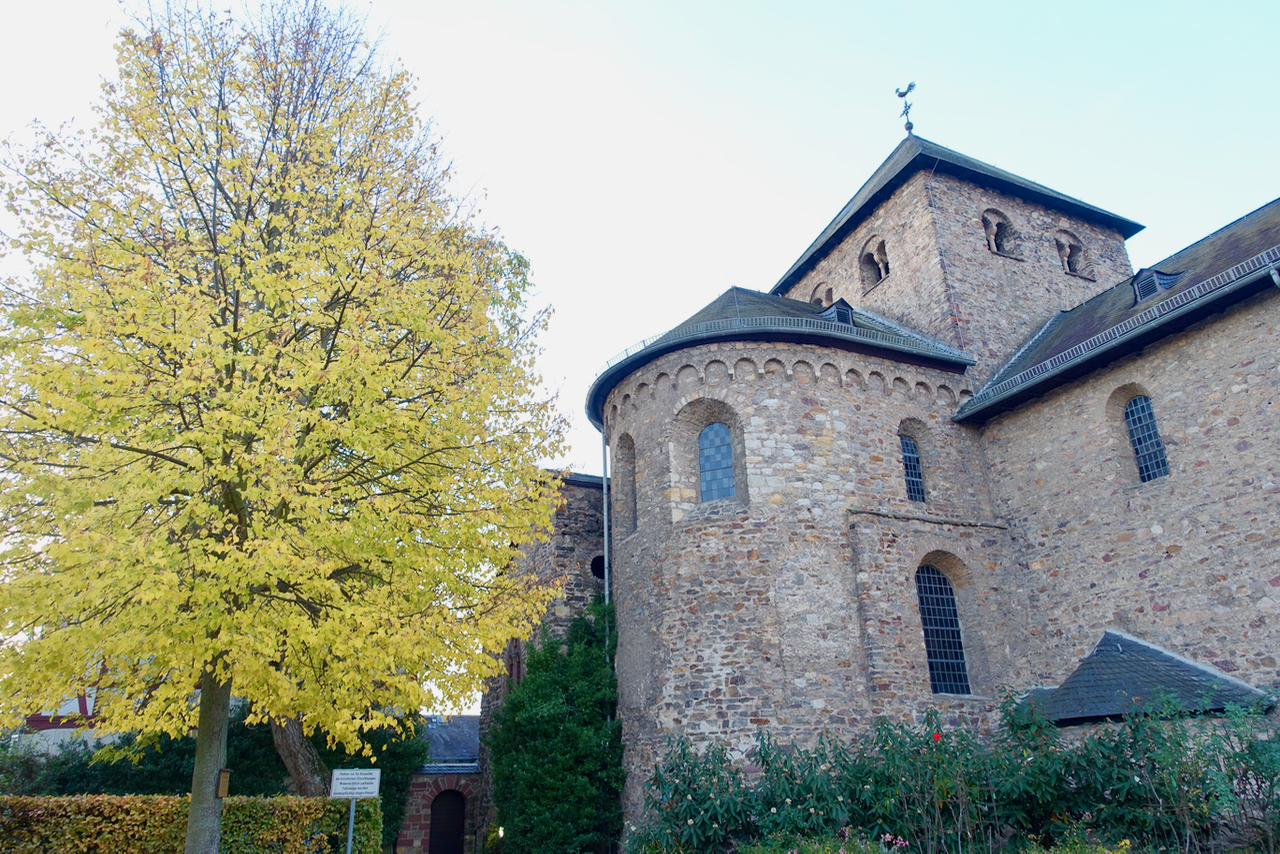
pixel 163 766
pixel 1157 781
pixel 143 824
pixel 556 746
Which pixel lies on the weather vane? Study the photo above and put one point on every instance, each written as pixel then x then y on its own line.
pixel 906 105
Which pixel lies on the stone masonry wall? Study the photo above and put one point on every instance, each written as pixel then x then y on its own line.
pixel 1189 561
pixel 794 606
pixel 944 280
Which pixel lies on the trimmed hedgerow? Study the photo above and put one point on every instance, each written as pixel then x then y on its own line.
pixel 142 824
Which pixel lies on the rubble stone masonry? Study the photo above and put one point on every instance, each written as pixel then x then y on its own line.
pixel 1189 561
pixel 793 605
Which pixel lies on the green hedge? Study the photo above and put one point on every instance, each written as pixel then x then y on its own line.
pixel 144 824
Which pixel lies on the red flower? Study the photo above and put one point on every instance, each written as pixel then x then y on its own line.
pixel 937 736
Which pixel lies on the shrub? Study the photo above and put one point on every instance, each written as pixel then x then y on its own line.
pixel 1159 780
pixel 556 745
pixel 143 824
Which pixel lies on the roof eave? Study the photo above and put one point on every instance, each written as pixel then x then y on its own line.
pixel 1131 341
pixel 609 377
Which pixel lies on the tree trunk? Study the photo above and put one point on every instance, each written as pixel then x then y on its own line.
pixel 204 822
pixel 309 774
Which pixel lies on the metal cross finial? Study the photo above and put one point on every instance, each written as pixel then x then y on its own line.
pixel 906 105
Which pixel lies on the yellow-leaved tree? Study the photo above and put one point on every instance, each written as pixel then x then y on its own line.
pixel 268 412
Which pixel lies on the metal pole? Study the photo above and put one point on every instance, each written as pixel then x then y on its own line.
pixel 604 454
pixel 351 824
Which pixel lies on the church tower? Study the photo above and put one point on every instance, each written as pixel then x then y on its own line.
pixel 961 250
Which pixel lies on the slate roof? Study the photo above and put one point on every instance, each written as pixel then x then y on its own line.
pixel 1229 265
pixel 739 314
pixel 1124 674
pixel 914 154
pixel 454 744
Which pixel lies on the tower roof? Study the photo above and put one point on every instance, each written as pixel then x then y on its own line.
pixel 743 315
pixel 914 154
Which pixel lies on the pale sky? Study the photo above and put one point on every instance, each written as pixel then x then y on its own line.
pixel 646 156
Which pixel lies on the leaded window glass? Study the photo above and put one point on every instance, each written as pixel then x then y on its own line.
pixel 943 645
pixel 1148 450
pixel 715 462
pixel 911 468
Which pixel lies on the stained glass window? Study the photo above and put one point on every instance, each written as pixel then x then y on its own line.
pixel 942 642
pixel 1148 450
pixel 715 462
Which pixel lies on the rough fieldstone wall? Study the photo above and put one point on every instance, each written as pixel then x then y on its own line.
pixel 914 291
pixel 794 605
pixel 948 283
pixel 1189 561
pixel 999 301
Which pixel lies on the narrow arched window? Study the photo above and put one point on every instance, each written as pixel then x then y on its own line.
pixel 942 642
pixel 911 468
pixel 715 462
pixel 1148 450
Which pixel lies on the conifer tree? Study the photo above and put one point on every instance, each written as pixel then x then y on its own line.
pixel 556 745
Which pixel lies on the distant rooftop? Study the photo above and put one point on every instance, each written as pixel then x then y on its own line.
pixel 454 743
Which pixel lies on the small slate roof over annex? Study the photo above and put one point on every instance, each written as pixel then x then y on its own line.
pixel 1124 675
pixel 739 314
pixel 913 155
pixel 454 743
pixel 1230 265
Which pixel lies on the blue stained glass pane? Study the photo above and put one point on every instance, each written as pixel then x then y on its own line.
pixel 715 462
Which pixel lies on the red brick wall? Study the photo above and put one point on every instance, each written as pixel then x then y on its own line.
pixel 423 788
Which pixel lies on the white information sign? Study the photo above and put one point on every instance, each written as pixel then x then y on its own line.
pixel 355 782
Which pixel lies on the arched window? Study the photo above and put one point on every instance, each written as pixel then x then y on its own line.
pixel 1001 238
pixel 715 462
pixel 911 468
pixel 448 823
pixel 1071 254
pixel 874 263
pixel 942 642
pixel 622 486
pixel 1148 450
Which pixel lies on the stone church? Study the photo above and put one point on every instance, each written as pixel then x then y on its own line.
pixel 956 445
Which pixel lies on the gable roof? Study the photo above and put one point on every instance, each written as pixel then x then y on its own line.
pixel 1124 675
pixel 1229 265
pixel 914 154
pixel 454 744
pixel 739 314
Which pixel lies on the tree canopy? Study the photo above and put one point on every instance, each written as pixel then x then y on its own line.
pixel 268 411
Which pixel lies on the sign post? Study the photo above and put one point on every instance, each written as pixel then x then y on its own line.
pixel 354 783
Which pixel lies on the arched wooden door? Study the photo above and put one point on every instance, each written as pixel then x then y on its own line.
pixel 448 823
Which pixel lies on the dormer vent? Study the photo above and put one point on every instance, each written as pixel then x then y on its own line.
pixel 1147 283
